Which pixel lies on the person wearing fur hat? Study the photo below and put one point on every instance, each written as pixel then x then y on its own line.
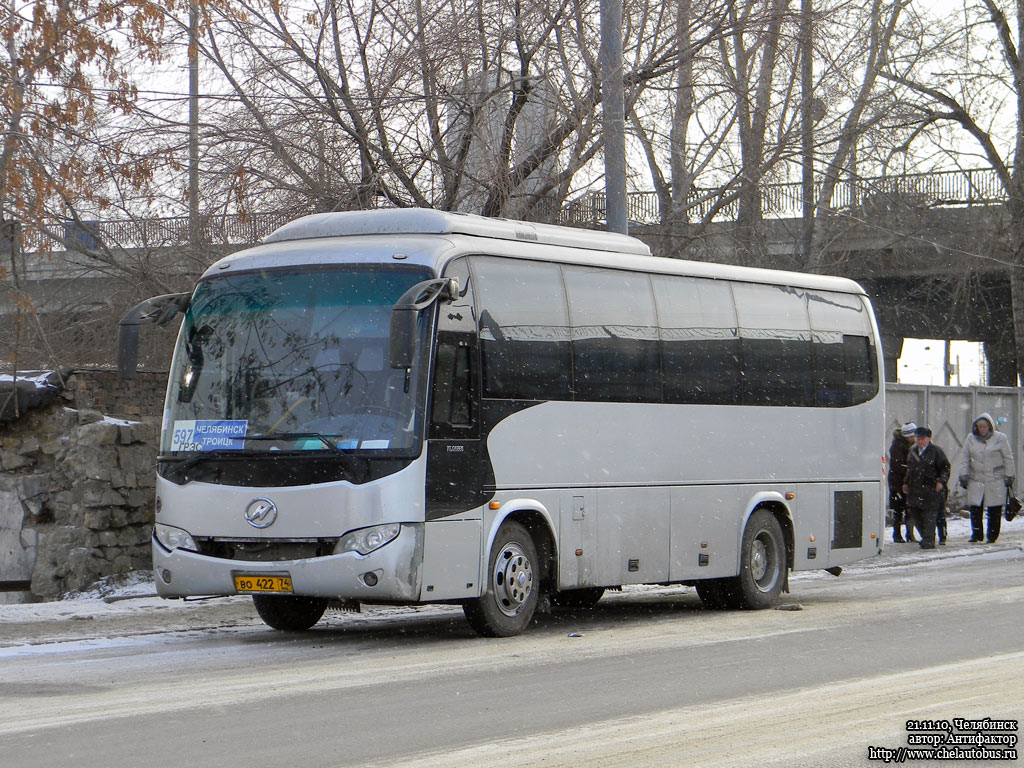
pixel 902 439
pixel 925 486
pixel 987 471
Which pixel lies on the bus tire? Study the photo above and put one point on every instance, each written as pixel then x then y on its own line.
pixel 585 597
pixel 289 612
pixel 762 564
pixel 512 585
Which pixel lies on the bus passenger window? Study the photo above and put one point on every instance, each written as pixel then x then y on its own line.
pixel 615 343
pixel 524 329
pixel 860 367
pixel 700 348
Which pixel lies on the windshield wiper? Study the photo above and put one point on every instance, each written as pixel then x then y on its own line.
pixel 292 436
pixel 191 461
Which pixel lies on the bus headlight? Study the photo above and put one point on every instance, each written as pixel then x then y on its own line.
pixel 174 538
pixel 366 540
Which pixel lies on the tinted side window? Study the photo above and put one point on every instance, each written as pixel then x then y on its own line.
pixel 700 347
pixel 524 329
pixel 615 351
pixel 846 372
pixel 830 386
pixel 775 341
pixel 861 373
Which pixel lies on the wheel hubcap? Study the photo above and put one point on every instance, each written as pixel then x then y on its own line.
pixel 762 563
pixel 512 580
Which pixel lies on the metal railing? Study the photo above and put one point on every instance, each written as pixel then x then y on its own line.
pixel 964 188
pixel 220 230
pixel 778 200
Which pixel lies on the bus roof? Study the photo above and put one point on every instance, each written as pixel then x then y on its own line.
pixel 518 239
pixel 424 221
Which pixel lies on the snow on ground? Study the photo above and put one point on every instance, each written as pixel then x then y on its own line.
pixel 129 592
pixel 126 605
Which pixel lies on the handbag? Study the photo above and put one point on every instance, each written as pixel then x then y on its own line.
pixel 1013 506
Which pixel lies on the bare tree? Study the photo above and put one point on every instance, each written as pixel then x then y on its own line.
pixel 678 151
pixel 969 74
pixel 448 104
pixel 66 157
pixel 852 74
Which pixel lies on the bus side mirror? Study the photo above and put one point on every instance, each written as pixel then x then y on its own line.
pixel 158 309
pixel 405 316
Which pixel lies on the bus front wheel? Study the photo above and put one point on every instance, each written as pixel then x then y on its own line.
pixel 288 612
pixel 510 593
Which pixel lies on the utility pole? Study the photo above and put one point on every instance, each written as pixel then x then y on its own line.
pixel 614 117
pixel 193 125
pixel 807 129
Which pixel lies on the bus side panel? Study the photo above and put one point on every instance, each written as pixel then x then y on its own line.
pixel 812 526
pixel 706 515
pixel 632 535
pixel 577 539
pixel 857 528
pixel 649 444
pixel 451 559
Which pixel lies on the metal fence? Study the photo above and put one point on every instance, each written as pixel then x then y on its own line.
pixel 964 188
pixel 876 194
pixel 950 411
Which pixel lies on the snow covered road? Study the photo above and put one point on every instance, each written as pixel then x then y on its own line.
pixel 648 678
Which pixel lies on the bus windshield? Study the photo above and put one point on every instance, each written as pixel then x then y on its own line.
pixel 292 360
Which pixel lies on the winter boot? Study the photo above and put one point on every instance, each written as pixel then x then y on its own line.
pixel 910 534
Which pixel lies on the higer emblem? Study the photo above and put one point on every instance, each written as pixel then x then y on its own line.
pixel 261 513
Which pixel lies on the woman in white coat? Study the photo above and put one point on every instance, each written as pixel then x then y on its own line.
pixel 986 471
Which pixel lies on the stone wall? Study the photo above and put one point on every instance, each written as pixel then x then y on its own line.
pixel 101 390
pixel 76 490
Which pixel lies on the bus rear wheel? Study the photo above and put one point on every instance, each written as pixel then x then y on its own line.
pixel 762 564
pixel 288 612
pixel 510 594
pixel 762 569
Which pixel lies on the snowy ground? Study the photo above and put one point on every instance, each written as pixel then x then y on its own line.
pixel 124 606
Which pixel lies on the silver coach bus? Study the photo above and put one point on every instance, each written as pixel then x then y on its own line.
pixel 412 406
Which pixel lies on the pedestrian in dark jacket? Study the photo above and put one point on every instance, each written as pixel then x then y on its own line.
pixel 927 476
pixel 987 472
pixel 902 439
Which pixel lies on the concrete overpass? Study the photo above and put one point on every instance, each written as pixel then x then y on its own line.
pixel 926 248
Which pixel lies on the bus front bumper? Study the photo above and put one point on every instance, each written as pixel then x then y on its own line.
pixel 394 568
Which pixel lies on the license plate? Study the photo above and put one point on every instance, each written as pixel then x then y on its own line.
pixel 258 582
